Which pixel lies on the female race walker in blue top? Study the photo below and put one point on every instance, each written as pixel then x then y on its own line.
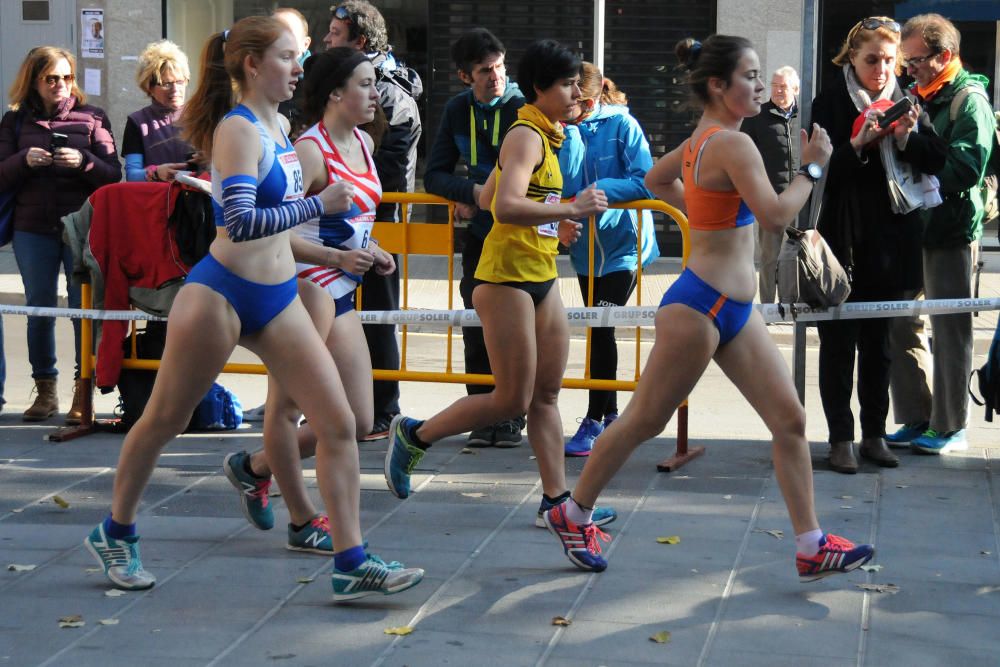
pixel 606 148
pixel 244 292
pixel 332 253
pixel 707 313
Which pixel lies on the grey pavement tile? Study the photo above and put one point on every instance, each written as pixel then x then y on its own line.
pixel 607 642
pixel 751 658
pixel 926 654
pixel 963 632
pixel 935 596
pixel 461 648
pixel 524 612
pixel 684 602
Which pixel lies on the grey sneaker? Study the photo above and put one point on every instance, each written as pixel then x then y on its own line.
pixel 508 434
pixel 120 559
pixel 374 576
pixel 482 437
pixel 254 415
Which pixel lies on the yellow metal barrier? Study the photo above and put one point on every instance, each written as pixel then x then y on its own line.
pixel 408 238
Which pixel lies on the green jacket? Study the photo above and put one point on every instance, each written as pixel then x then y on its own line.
pixel 959 220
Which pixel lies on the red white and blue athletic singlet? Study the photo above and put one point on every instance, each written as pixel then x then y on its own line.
pixel 349 230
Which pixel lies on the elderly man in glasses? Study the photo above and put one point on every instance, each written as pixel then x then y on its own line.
pixel 359 25
pixel 933 409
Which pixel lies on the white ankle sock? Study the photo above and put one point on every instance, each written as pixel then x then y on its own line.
pixel 577 514
pixel 807 543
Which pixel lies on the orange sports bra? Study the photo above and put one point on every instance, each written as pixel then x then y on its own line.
pixel 710 210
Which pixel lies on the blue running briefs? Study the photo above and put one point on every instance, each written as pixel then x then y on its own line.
pixel 729 316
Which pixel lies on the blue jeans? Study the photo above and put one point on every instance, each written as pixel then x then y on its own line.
pixel 39 258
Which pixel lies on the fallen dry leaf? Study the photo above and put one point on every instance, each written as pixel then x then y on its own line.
pixel 902 486
pixel 14 567
pixel 846 507
pixel 305 580
pixel 871 568
pixel 661 637
pixel 93 570
pixel 845 497
pixel 401 631
pixel 75 621
pixel 727 497
pixel 532 457
pixel 673 539
pixel 108 621
pixel 58 500
pixel 114 593
pixel 474 494
pixel 561 621
pixel 985 553
pixel 17 511
pixel 775 533
pixel 879 588
pixel 466 450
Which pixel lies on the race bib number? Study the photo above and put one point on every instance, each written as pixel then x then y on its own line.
pixel 293 175
pixel 550 229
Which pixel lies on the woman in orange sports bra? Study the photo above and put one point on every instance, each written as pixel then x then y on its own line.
pixel 718 176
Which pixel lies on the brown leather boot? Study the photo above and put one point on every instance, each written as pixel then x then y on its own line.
pixel 842 457
pixel 46 401
pixel 75 414
pixel 876 450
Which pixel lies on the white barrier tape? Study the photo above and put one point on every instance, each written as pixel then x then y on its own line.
pixel 604 316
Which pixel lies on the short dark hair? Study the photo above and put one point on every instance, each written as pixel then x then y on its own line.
pixel 366 21
pixel 542 64
pixel 716 58
pixel 474 46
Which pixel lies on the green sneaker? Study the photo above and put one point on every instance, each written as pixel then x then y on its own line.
pixel 374 576
pixel 120 559
pixel 401 457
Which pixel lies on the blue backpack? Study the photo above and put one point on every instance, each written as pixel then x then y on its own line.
pixel 220 410
pixel 988 379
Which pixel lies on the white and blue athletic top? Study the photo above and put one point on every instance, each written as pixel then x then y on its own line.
pixel 350 230
pixel 255 208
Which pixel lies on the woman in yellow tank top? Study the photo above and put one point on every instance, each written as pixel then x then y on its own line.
pixel 524 323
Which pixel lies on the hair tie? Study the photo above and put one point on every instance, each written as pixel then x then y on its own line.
pixel 694 53
pixel 225 35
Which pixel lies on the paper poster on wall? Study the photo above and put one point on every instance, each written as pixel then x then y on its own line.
pixel 92 81
pixel 92 33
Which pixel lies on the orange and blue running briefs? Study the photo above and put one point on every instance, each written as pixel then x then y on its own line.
pixel 709 210
pixel 729 315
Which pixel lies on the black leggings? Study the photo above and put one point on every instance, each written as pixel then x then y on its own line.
pixel 612 289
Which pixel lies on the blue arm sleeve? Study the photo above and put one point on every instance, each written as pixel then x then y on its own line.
pixel 135 167
pixel 245 222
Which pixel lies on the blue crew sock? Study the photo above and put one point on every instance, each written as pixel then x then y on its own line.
pixel 349 559
pixel 117 530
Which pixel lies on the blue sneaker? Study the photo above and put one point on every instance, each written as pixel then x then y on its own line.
pixel 581 443
pixel 610 418
pixel 932 442
pixel 401 457
pixel 253 491
pixel 581 544
pixel 120 559
pixel 906 434
pixel 314 537
pixel 374 576
pixel 602 516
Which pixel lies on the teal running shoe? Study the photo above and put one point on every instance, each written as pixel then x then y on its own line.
pixel 374 576
pixel 401 457
pixel 313 538
pixel 933 442
pixel 253 491
pixel 119 559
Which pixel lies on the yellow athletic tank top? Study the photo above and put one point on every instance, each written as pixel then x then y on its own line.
pixel 518 253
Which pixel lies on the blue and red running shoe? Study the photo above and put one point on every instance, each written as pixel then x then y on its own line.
pixel 835 555
pixel 581 543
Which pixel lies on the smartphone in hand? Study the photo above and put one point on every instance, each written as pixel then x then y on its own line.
pixel 58 141
pixel 895 112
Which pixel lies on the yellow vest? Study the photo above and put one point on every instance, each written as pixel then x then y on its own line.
pixel 519 253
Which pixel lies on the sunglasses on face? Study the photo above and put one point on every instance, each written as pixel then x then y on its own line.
pixel 54 79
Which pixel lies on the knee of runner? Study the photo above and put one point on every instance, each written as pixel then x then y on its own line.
pixel 791 424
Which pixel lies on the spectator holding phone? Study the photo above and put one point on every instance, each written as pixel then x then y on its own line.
pixel 151 146
pixel 55 150
pixel 879 247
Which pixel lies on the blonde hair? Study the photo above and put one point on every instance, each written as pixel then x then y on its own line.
pixel 157 58
pixel 39 60
pixel 858 36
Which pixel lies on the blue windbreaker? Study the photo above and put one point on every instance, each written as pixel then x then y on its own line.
pixel 609 148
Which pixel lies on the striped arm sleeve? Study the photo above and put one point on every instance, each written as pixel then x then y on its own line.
pixel 245 222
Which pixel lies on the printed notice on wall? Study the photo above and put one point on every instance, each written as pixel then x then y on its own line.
pixel 92 33
pixel 92 81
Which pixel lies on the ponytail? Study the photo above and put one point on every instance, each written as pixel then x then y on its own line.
pixel 610 93
pixel 212 100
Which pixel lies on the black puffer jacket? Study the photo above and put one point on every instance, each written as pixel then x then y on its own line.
pixel 399 88
pixel 777 138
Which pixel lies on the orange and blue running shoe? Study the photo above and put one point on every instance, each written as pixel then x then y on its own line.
pixel 581 542
pixel 835 555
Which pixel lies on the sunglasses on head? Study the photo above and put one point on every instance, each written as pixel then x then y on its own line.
pixel 342 14
pixel 874 23
pixel 53 79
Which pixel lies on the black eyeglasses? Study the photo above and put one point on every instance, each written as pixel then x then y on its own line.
pixel 53 79
pixel 918 60
pixel 342 13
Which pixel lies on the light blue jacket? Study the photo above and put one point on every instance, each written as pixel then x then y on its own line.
pixel 609 147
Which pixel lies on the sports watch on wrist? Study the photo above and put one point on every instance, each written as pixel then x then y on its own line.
pixel 812 171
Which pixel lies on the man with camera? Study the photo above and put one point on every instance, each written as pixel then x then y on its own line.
pixel 934 412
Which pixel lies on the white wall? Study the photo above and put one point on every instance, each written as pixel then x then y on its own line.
pixel 774 26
